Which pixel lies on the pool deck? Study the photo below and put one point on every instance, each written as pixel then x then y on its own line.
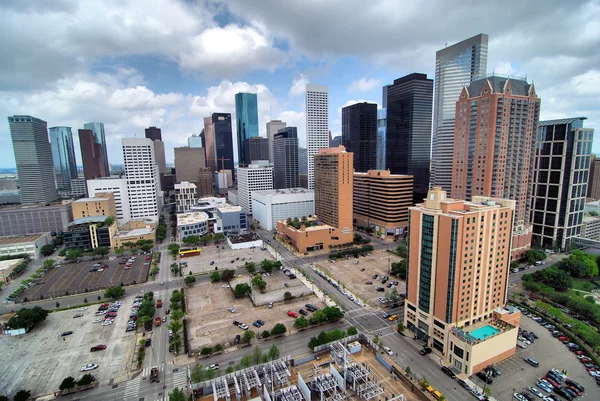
pixel 484 332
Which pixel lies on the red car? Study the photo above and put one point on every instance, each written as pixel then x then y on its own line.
pixel 585 360
pixel 575 390
pixel 111 314
pixel 549 380
pixel 581 353
pixel 98 348
pixel 292 314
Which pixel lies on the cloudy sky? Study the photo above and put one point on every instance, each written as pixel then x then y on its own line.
pixel 169 63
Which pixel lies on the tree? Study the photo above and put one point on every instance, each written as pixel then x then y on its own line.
pixel 301 323
pixel 176 315
pixel 174 249
pixel 514 264
pixel 197 373
pixel 587 260
pixel 227 274
pixel 101 251
pixel 215 276
pixel 487 391
pixel 251 267
pixel 27 318
pixel 48 264
pixel 177 395
pixel 22 395
pixel 259 282
pixel 241 290
pixel 218 348
pixel 401 250
pixel 267 265
pixel 273 352
pixel 256 356
pixel 189 280
pixel 332 313
pixel 191 240
pixel 154 271
pixel 175 326
pixel 114 292
pixel 248 336
pixel 86 379
pixel 229 370
pixel 176 342
pixel 352 331
pixel 119 251
pixel 278 329
pixel 67 383
pixel 128 244
pixel 147 247
pixel 400 269
pixel 265 334
pixel 133 250
pixel 287 296
pixel 73 254
pixel 246 361
pixel 47 250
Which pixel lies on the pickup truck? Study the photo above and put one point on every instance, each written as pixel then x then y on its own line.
pixel 159 303
pixel 154 375
pixel 157 321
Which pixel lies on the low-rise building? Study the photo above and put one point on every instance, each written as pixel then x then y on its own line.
pixel 185 196
pixel 29 244
pixel 6 268
pixel 273 205
pixel 134 231
pixel 193 223
pixel 209 206
pixel 233 219
pixel 244 241
pixel 34 219
pixel 591 228
pixel 102 205
pixel 309 235
pixel 89 233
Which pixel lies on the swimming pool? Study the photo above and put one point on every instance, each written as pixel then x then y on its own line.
pixel 484 332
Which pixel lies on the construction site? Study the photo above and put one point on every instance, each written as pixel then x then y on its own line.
pixel 337 372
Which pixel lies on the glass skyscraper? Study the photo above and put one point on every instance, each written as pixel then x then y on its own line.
pixel 456 66
pixel 246 111
pixel 98 131
pixel 63 157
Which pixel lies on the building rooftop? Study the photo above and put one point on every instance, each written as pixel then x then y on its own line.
pixel 88 220
pixel 136 232
pixel 229 208
pixel 286 191
pixel 9 264
pixel 240 239
pixel 20 240
pixel 590 219
pixel 184 219
pixel 561 121
pixel 382 173
pixel 519 86
pixel 82 200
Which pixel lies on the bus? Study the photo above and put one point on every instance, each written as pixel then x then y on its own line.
pixel 185 252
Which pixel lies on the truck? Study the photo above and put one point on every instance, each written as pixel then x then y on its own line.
pixel 154 375
pixel 159 303
pixel 157 321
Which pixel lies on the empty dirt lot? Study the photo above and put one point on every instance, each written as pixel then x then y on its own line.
pixel 209 322
pixel 222 258
pixel 348 273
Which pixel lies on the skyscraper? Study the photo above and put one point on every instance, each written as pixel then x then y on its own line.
pixel 63 157
pixel 560 180
pixel 594 181
pixel 285 148
pixel 408 130
pixel 209 144
pixel 91 156
pixel 256 148
pixel 98 131
pixel 494 145
pixel 246 111
pixel 143 183
pixel 33 156
pixel 255 177
pixel 452 286
pixel 317 125
pixel 188 163
pixel 456 66
pixel 381 129
pixel 155 135
pixel 195 141
pixel 273 127
pixel 359 134
pixel 223 141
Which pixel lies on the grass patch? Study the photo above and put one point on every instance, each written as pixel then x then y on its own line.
pixel 583 285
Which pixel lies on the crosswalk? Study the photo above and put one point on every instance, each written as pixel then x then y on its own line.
pixel 132 389
pixel 146 371
pixel 180 379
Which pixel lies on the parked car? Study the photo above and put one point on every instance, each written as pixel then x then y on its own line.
pixel 303 312
pixel 532 362
pixel 448 372
pixel 425 351
pixel 88 367
pixel 388 351
pixel 536 391
pixel 214 366
pixel 484 377
pixel 496 371
pixel 98 348
pixel 292 314
pixel 66 333
pixel 236 341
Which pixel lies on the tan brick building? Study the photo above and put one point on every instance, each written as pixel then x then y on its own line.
pixel 103 204
pixel 188 162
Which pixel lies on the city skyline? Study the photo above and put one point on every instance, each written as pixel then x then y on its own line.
pixel 139 84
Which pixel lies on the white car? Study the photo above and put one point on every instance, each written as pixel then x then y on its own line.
pixel 99 320
pixel 243 326
pixel 88 367
pixel 82 309
pixel 214 366
pixel 100 270
pixel 225 286
pixel 559 373
pixel 388 351
pixel 519 397
pixel 536 391
pixel 232 310
pixel 100 313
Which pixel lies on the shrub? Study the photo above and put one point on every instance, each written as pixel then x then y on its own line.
pixel 206 351
pixel 85 380
pixel 67 383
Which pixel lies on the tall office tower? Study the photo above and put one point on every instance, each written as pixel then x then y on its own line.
pixel 143 182
pixel 188 163
pixel 457 276
pixel 359 134
pixel 335 141
pixel 219 142
pixel 256 148
pixel 255 177
pixel 202 138
pixel 302 160
pixel 195 141
pixel 33 156
pixel 209 142
pixel 595 181
pixel 494 145
pixel 285 148
pixel 98 131
pixel 560 180
pixel 91 156
pixel 273 127
pixel 155 135
pixel 381 124
pixel 317 125
pixel 205 183
pixel 381 201
pixel 246 111
pixel 333 189
pixel 456 66
pixel 63 157
pixel 408 130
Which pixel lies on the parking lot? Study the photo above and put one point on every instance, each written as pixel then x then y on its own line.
pixel 222 257
pixel 550 353
pixel 38 361
pixel 75 278
pixel 210 323
pixel 348 273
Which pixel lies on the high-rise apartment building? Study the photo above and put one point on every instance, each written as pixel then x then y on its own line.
pixel 33 157
pixel 594 180
pixel 457 278
pixel 143 182
pixel 155 135
pixel 246 111
pixel 195 141
pixel 408 130
pixel 186 195
pixel 456 66
pixel 255 177
pixel 359 134
pixel 256 148
pixel 285 148
pixel 100 138
pixel 273 127
pixel 317 125
pixel 63 157
pixel 219 141
pixel 560 180
pixel 92 156
pixel 188 163
pixel 333 189
pixel 381 201
pixel 495 130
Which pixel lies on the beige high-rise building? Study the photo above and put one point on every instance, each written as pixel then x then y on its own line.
pixel 205 183
pixel 594 182
pixel 103 204
pixel 457 277
pixel 188 162
pixel 185 196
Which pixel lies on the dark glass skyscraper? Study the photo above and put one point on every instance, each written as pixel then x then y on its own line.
pixel 359 134
pixel 63 157
pixel 98 131
pixel 285 158
pixel 154 133
pixel 223 141
pixel 246 111
pixel 256 148
pixel 408 130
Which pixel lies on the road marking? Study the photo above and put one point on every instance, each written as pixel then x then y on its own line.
pixel 146 371
pixel 132 389
pixel 180 379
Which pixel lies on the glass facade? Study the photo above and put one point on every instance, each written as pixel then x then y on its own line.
pixel 246 111
pixel 381 123
pixel 223 141
pixel 426 263
pixel 98 130
pixel 63 157
pixel 451 270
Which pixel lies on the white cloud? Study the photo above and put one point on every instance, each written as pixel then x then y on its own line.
pixel 364 85
pixel 298 86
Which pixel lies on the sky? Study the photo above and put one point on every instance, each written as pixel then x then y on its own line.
pixel 169 63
